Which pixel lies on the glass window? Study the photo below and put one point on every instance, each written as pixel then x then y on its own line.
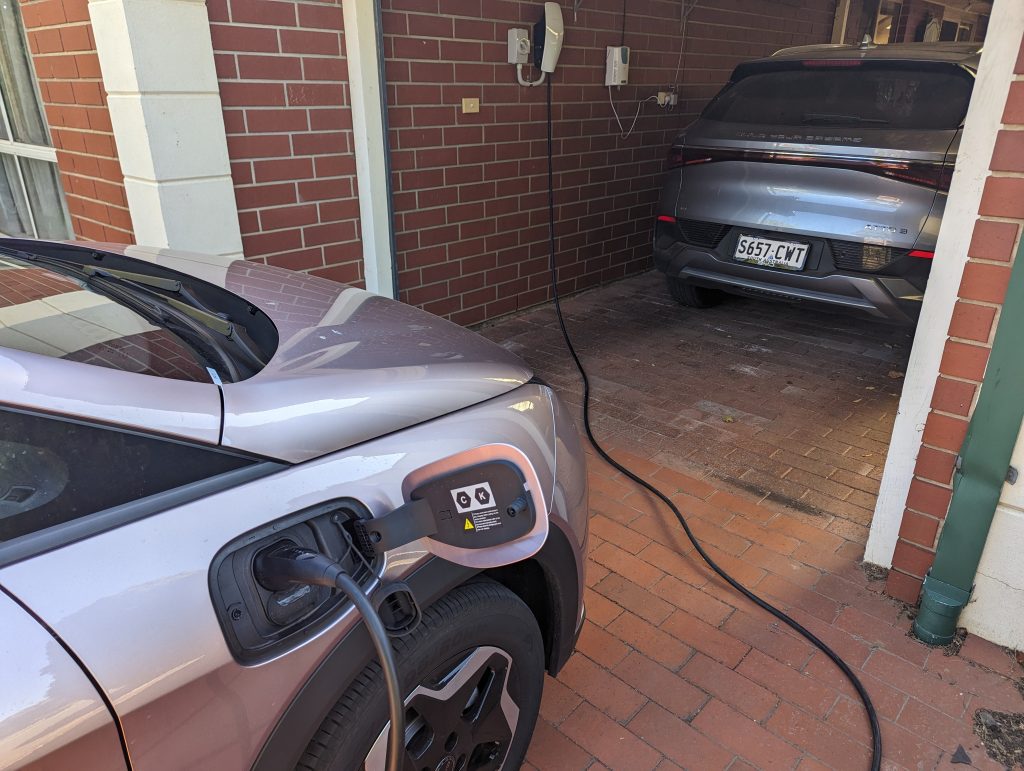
pixel 886 21
pixel 31 201
pixel 54 471
pixel 47 313
pixel 862 96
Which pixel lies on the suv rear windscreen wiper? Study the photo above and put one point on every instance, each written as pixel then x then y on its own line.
pixel 141 292
pixel 215 321
pixel 838 119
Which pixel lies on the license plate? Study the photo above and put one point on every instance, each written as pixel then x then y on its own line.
pixel 787 255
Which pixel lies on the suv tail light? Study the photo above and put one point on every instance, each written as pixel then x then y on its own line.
pixel 688 156
pixel 926 173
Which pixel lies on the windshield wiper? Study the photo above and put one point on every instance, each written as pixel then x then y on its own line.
pixel 837 119
pixel 194 307
pixel 176 321
pixel 140 292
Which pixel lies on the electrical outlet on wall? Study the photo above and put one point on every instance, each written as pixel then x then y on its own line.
pixel 663 97
pixel 518 46
pixel 470 104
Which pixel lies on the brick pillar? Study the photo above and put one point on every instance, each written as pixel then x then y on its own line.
pixel 67 68
pixel 971 330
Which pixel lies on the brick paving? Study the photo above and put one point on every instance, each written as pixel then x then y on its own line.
pixel 768 424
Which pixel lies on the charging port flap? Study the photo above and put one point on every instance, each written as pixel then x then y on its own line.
pixel 479 507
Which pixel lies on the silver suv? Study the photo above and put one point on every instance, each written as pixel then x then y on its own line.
pixel 166 419
pixel 818 174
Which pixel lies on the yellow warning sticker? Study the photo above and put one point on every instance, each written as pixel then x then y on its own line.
pixel 469 525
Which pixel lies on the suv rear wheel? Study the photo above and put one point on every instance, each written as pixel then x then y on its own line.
pixel 692 296
pixel 474 672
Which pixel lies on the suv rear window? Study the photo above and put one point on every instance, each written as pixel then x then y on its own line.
pixel 45 312
pixel 113 311
pixel 854 95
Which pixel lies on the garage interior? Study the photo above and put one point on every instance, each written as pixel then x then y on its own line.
pixel 754 434
pixel 768 424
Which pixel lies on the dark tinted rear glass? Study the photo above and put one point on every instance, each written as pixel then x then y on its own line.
pixel 869 95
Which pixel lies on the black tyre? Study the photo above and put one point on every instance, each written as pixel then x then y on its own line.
pixel 473 672
pixel 692 296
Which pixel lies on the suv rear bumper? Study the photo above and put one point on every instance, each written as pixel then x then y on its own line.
pixel 885 297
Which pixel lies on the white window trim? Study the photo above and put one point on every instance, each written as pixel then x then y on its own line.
pixel 25 150
pixel 36 152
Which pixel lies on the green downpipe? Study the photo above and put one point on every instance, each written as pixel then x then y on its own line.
pixel 982 470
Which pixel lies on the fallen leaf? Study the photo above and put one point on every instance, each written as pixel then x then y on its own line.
pixel 895 374
pixel 857 401
pixel 728 419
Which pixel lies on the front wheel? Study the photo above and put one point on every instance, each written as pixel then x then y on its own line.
pixel 473 671
pixel 692 296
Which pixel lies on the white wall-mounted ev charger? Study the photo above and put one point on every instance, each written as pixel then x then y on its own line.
pixel 548 36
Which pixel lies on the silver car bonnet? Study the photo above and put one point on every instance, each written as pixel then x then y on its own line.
pixel 350 365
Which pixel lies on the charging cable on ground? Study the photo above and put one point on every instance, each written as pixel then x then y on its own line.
pixel 876 736
pixel 283 565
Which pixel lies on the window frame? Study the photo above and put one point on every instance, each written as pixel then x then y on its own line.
pixel 897 13
pixel 46 153
pixel 65 533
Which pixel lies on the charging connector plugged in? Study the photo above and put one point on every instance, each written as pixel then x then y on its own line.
pixel 284 565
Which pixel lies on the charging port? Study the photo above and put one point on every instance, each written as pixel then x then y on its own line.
pixel 259 619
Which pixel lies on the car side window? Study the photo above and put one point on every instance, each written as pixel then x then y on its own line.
pixel 54 471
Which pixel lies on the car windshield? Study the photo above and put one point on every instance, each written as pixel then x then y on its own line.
pixel 53 314
pixel 855 95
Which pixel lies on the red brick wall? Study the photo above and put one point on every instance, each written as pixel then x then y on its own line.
pixel 470 190
pixel 68 70
pixel 283 84
pixel 962 369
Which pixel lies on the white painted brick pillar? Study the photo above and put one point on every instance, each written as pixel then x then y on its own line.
pixel 156 59
pixel 981 127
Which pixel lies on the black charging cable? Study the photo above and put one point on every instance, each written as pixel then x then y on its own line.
pixel 876 735
pixel 279 567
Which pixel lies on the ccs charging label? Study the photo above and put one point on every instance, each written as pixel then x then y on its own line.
pixel 476 504
pixel 473 498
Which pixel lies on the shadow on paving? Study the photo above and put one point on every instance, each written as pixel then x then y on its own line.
pixel 768 425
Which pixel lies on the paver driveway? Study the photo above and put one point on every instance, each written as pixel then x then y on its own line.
pixel 769 425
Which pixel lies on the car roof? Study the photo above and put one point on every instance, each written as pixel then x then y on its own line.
pixel 956 53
